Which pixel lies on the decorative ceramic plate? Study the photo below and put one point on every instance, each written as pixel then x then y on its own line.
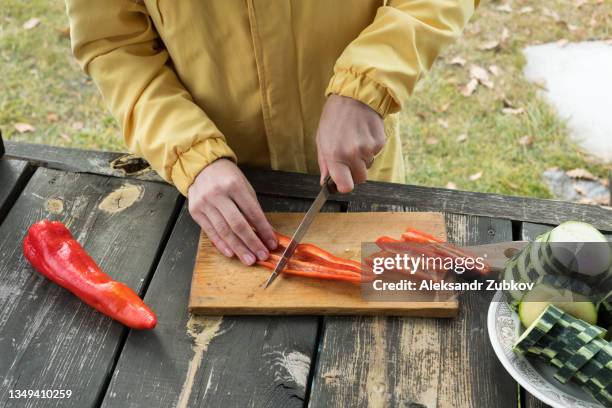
pixel 536 377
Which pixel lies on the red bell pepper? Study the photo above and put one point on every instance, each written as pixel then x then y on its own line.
pixel 53 252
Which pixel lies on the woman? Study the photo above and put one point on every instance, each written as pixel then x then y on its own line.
pixel 307 86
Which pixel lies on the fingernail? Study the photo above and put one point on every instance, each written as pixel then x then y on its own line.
pixel 262 255
pixel 228 252
pixel 272 244
pixel 249 259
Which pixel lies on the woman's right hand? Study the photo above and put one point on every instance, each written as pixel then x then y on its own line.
pixel 224 204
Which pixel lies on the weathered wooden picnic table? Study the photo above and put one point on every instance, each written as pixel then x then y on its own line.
pixel 49 340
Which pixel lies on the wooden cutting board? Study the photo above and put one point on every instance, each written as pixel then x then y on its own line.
pixel 223 286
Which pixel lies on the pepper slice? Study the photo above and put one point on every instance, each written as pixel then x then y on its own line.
pixel 54 253
pixel 416 236
pixel 311 261
pixel 312 253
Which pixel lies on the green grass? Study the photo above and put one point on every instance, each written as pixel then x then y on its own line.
pixel 39 77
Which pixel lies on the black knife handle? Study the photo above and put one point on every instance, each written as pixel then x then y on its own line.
pixel 1 145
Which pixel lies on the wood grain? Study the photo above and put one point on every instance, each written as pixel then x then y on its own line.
pixel 48 338
pixel 238 289
pixel 254 361
pixel 14 175
pixel 303 186
pixel 403 361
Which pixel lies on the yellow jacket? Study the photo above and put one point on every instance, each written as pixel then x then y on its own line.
pixel 193 81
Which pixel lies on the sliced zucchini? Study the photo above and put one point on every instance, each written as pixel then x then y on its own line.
pixel 569 245
pixel 514 295
pixel 577 360
pixel 535 301
pixel 540 326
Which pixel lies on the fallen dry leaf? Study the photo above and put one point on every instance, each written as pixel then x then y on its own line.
pixel 64 31
pixel 443 108
pixel 78 125
pixel 505 34
pixel 602 200
pixel 24 127
pixel 66 137
pixel 443 123
pixel 462 138
pixel 506 8
pixel 458 61
pixel 580 3
pixel 581 190
pixel 494 69
pixel 562 42
pixel 421 115
pixel 552 14
pixel 489 45
pixel 513 111
pixel 431 141
pixel 451 186
pixel 572 27
pixel 525 10
pixel 481 74
pixel 31 23
pixel 52 117
pixel 470 87
pixel 475 176
pixel 581 174
pixel 599 200
pixel 526 140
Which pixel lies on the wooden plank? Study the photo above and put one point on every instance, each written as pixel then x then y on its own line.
pixel 300 186
pixel 400 361
pixel 79 160
pixel 438 199
pixel 49 339
pixel 239 290
pixel 232 361
pixel 14 174
pixel 532 402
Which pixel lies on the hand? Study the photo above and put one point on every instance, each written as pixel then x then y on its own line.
pixel 349 136
pixel 224 204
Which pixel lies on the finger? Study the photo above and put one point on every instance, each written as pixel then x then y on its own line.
pixel 224 230
pixel 249 206
pixel 212 234
pixel 322 167
pixel 242 228
pixel 359 171
pixel 369 162
pixel 341 174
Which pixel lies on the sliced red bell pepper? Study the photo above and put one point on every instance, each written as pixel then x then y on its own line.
pixel 54 253
pixel 312 253
pixel 311 261
pixel 445 249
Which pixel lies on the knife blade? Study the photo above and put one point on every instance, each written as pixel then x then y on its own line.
pixel 496 255
pixel 328 188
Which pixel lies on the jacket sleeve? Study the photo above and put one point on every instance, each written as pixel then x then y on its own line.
pixel 116 43
pixel 382 65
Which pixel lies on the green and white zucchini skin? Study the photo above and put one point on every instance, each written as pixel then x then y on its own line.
pixel 579 359
pixel 542 325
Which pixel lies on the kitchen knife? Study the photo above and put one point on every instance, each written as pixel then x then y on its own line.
pixel 328 188
pixel 496 255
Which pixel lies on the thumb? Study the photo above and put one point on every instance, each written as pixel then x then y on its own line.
pixel 322 167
